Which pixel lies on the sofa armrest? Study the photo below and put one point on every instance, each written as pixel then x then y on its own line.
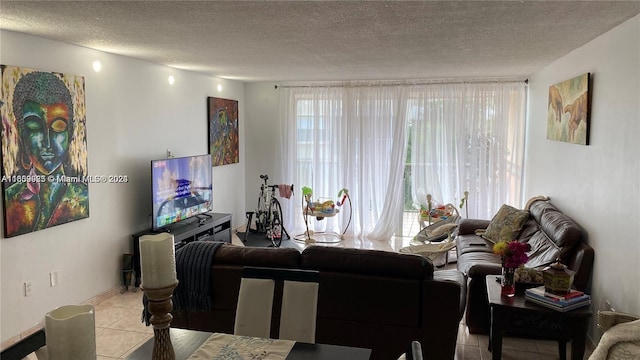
pixel 469 226
pixel 444 300
pixel 482 270
pixel 453 277
pixel 582 263
pixel 477 312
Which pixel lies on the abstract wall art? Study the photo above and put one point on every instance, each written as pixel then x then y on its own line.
pixel 223 131
pixel 568 110
pixel 44 149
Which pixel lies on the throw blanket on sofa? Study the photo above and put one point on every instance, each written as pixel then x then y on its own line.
pixel 623 333
pixel 193 269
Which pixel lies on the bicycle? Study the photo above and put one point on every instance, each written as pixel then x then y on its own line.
pixel 268 214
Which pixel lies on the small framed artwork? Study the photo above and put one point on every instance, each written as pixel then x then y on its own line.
pixel 44 149
pixel 223 131
pixel 568 110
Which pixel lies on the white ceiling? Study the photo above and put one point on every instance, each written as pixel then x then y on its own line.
pixel 327 40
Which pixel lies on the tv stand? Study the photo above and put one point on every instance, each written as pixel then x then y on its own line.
pixel 210 227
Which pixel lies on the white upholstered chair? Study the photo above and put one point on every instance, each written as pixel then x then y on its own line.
pixel 621 338
pixel 299 303
pixel 414 352
pixel 299 311
pixel 253 311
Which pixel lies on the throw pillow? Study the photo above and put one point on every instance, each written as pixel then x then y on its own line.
pixel 506 224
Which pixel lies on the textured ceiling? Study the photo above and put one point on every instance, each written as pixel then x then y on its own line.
pixel 327 40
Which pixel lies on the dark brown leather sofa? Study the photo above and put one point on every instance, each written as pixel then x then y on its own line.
pixel 551 234
pixel 367 298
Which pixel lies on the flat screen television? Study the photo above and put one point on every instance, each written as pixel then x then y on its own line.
pixel 181 189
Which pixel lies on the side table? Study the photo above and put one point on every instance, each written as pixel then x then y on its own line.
pixel 562 326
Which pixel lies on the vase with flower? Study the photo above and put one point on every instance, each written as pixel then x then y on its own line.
pixel 513 255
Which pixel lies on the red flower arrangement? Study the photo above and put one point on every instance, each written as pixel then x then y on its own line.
pixel 513 253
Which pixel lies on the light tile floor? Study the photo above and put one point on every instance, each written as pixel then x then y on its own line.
pixel 119 330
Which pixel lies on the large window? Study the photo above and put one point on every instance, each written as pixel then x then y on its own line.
pixel 393 145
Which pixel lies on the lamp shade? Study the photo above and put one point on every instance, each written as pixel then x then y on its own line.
pixel 71 333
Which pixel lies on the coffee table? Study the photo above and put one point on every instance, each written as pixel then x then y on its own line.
pixel 562 326
pixel 186 342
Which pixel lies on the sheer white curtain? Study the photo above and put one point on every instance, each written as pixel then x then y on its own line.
pixel 341 137
pixel 468 137
pixel 463 137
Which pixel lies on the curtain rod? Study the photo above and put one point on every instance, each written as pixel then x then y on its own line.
pixel 395 83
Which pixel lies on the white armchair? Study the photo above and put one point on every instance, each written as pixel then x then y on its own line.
pixel 621 338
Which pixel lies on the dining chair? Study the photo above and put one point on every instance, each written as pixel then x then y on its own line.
pixel 416 351
pixel 299 308
pixel 299 303
pixel 413 353
pixel 254 307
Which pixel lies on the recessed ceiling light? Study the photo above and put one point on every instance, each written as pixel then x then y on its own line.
pixel 97 66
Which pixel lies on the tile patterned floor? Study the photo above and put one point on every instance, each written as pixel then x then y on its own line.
pixel 119 329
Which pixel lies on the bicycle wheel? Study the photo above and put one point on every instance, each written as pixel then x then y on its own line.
pixel 275 228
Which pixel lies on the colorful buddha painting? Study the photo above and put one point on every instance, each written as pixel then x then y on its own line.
pixel 44 149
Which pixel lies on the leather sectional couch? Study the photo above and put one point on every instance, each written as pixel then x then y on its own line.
pixel 367 298
pixel 551 234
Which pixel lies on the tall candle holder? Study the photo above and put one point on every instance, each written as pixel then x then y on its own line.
pixel 159 306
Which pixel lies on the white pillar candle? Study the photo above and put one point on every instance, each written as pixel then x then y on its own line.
pixel 71 333
pixel 158 261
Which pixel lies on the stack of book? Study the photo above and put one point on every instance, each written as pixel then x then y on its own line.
pixel 572 300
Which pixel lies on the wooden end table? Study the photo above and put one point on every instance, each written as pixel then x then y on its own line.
pixel 562 326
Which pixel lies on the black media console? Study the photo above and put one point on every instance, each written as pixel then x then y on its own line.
pixel 209 227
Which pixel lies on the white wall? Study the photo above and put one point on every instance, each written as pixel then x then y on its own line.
pixel 263 137
pixel 598 185
pixel 133 116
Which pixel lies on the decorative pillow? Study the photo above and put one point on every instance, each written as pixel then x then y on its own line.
pixel 506 224
pixel 528 275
